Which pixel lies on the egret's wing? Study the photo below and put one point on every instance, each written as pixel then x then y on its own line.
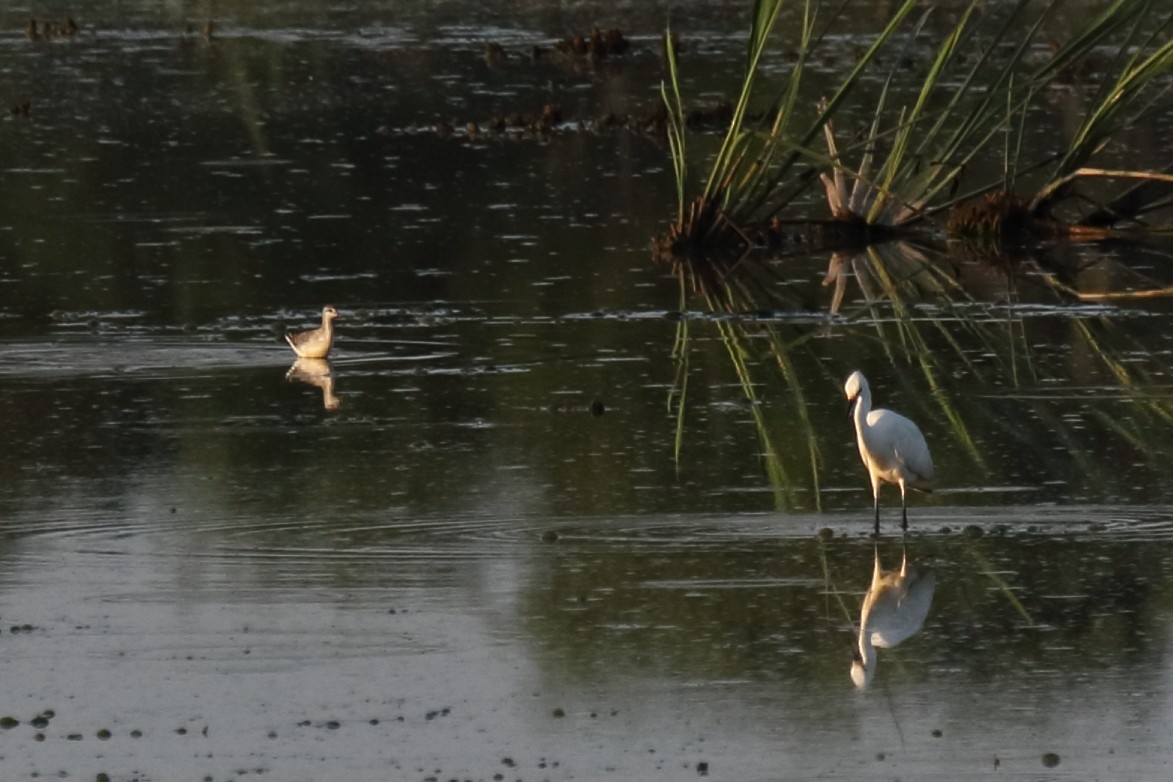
pixel 902 617
pixel 905 439
pixel 914 452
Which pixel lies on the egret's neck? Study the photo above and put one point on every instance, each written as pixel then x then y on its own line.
pixel 863 405
pixel 863 669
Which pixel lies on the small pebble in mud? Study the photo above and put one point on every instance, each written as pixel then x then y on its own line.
pixel 1050 759
pixel 937 733
pixel 38 737
pixel 973 531
pixel 7 723
pixel 559 713
pixel 826 533
pixel 102 777
pixel 880 756
pixel 508 762
pixel 136 734
pixel 333 725
pixel 702 768
pixel 103 734
pixel 598 408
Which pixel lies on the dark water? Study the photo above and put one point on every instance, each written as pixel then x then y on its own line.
pixel 468 547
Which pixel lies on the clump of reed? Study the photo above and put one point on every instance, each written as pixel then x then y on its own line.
pixel 981 87
pixel 754 174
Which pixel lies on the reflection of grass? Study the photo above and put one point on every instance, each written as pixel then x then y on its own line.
pixel 830 590
pixel 737 338
pixel 1003 588
pixel 680 353
pixel 734 339
pixel 730 290
pixel 914 314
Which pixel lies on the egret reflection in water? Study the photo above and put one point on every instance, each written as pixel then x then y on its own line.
pixel 894 610
pixel 316 372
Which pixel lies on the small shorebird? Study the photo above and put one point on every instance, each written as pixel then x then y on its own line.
pixel 315 343
pixel 894 609
pixel 892 448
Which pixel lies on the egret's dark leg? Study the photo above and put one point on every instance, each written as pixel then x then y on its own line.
pixel 903 510
pixel 877 505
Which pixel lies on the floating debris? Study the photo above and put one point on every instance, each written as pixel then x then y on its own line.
pixel 551 119
pixel 495 54
pixel 597 45
pixel 206 32
pixel 50 29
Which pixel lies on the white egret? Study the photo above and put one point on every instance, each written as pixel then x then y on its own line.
pixel 315 343
pixel 894 609
pixel 892 447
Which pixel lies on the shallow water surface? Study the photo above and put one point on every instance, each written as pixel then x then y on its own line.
pixel 639 647
pixel 543 514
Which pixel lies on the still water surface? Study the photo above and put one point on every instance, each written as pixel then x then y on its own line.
pixel 466 549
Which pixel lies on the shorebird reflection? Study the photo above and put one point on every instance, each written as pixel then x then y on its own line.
pixel 316 372
pixel 894 609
